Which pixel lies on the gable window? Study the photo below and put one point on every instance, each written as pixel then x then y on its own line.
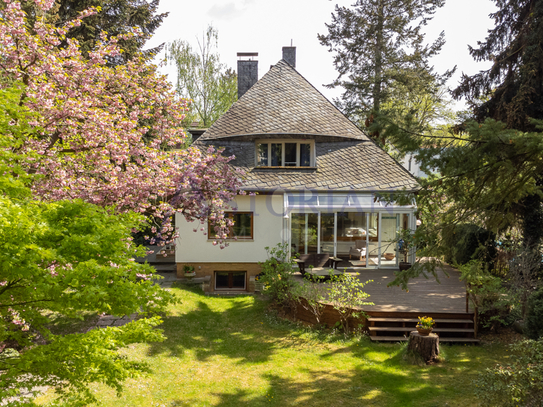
pixel 291 153
pixel 242 228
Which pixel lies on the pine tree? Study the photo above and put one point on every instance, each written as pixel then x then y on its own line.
pixel 510 91
pixel 115 17
pixel 378 44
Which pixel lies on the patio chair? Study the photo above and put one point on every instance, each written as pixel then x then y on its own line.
pixel 359 250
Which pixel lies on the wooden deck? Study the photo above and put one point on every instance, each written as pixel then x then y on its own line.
pixel 425 295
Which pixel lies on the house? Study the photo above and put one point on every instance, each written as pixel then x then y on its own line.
pixel 317 179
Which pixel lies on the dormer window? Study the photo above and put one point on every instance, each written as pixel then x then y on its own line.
pixel 287 153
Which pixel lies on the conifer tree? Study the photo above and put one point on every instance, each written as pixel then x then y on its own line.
pixel 512 89
pixel 116 17
pixel 378 44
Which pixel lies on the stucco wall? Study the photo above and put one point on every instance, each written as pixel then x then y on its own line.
pixel 194 247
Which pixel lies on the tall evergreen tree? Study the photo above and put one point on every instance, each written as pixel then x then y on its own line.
pixel 512 89
pixel 115 17
pixel 378 44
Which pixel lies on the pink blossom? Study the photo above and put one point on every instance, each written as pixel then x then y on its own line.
pixel 92 144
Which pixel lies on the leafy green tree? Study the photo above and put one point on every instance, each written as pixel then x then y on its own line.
pixel 60 259
pixel 63 256
pixel 202 78
pixel 381 57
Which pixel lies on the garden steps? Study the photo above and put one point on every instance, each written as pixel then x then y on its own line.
pixel 415 320
pixel 405 338
pixel 410 328
pixel 395 326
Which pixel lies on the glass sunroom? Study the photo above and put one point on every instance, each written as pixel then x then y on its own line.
pixel 355 227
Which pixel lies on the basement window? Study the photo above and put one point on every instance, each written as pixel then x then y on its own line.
pixel 288 153
pixel 230 280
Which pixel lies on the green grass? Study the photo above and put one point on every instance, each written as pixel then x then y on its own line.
pixel 233 352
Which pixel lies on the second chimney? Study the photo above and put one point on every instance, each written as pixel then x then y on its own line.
pixel 289 56
pixel 247 72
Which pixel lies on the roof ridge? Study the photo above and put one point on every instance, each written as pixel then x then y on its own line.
pixel 283 102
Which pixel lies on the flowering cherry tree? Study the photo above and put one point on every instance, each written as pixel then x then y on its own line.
pixel 108 135
pixel 88 152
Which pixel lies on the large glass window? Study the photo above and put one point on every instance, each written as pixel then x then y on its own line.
pixel 390 225
pixel 351 236
pixel 374 250
pixel 327 233
pixel 242 228
pixel 284 154
pixel 304 229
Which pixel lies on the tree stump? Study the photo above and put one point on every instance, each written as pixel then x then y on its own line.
pixel 425 346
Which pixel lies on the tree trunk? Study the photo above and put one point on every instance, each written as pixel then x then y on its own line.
pixel 377 85
pixel 425 346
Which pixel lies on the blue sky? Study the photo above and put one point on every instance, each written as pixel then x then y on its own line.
pixel 264 26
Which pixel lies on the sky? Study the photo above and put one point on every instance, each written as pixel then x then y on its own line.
pixel 266 26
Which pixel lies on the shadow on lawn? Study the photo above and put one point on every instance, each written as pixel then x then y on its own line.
pixel 234 332
pixel 350 388
pixel 241 332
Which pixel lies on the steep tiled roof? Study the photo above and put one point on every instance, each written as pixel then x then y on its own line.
pixel 350 165
pixel 283 102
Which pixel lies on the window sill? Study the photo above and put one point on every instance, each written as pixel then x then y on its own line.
pixel 285 168
pixel 231 289
pixel 232 240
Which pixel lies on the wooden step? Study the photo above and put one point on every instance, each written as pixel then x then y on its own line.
pixel 409 329
pixel 404 338
pixel 451 321
pixel 415 315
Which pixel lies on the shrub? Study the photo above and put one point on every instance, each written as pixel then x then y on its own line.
pixel 519 383
pixel 494 301
pixel 467 242
pixel 533 324
pixel 345 294
pixel 311 297
pixel 277 276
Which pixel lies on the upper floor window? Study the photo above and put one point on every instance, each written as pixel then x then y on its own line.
pixel 288 153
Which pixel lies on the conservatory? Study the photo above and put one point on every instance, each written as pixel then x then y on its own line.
pixel 359 228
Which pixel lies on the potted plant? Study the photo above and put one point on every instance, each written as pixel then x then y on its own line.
pixel 405 245
pixel 189 271
pixel 425 325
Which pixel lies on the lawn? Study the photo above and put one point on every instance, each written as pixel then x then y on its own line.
pixel 234 352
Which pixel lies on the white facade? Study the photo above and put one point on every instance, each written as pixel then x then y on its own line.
pixel 268 231
pixel 375 223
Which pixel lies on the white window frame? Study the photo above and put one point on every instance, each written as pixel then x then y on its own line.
pixel 269 142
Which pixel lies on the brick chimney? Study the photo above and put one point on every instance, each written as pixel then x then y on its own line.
pixel 289 56
pixel 247 71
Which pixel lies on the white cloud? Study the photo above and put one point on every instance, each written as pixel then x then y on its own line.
pixel 229 10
